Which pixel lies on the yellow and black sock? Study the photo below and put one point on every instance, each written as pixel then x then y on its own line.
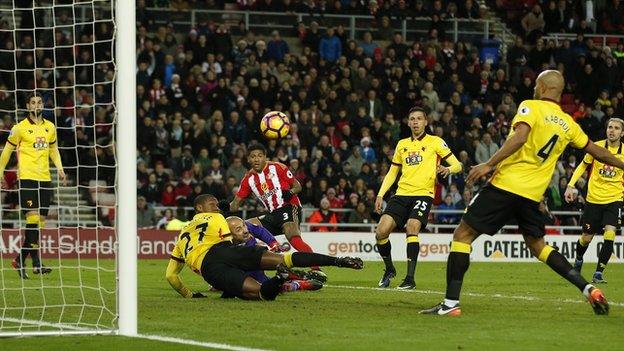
pixel 606 251
pixel 31 241
pixel 385 251
pixel 413 248
pixel 581 247
pixel 555 260
pixel 456 266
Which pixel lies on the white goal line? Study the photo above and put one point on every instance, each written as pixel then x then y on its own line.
pixel 495 296
pixel 197 343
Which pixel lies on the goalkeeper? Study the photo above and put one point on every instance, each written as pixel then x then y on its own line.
pixel 35 140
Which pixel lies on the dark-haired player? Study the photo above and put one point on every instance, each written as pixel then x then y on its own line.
pixel 35 140
pixel 205 245
pixel 417 158
pixel 276 187
pixel 604 199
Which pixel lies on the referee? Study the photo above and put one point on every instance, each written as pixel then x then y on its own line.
pixel 35 140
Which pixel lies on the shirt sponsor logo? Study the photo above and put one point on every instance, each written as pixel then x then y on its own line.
pixel 413 159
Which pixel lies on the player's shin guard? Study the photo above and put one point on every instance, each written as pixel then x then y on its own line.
pixel 385 251
pixel 413 248
pixel 606 251
pixel 456 266
pixel 271 288
pixel 581 247
pixel 308 259
pixel 559 264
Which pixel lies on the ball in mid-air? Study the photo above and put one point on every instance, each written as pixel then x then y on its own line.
pixel 275 125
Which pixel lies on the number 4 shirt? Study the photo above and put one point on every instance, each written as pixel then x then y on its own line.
pixel 529 170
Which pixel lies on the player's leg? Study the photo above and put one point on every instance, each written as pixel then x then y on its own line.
pixel 45 196
pixel 420 207
pixel 456 267
pixel 605 253
pixel 581 247
pixel 412 228
pixel 484 215
pixel 271 260
pixel 382 236
pixel 29 203
pixel 290 217
pixel 591 222
pixel 255 221
pixel 558 263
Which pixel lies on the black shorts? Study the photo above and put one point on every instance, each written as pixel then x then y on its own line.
pixel 492 208
pixel 226 266
pixel 35 195
pixel 401 208
pixel 273 221
pixel 596 216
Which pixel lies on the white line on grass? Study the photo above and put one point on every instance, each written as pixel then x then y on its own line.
pixel 197 343
pixel 43 324
pixel 497 296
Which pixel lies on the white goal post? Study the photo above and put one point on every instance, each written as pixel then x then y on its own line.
pixel 63 50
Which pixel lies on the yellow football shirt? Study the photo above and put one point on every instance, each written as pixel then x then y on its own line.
pixel 529 170
pixel 605 181
pixel 419 159
pixel 33 143
pixel 203 232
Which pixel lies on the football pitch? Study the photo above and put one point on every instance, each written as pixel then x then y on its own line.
pixel 511 306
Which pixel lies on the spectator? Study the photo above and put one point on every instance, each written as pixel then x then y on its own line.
pixel 167 216
pixel 533 23
pixel 334 201
pixel 146 217
pixel 485 149
pixel 168 196
pixel 324 215
pixel 179 221
pixel 367 152
pixel 368 45
pixel 361 214
pixel 448 218
pixel 330 48
pixel 277 48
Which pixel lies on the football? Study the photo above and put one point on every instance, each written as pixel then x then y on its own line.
pixel 275 125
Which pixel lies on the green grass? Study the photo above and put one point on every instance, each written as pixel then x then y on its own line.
pixel 511 306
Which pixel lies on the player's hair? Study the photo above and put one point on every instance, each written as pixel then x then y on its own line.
pixel 34 94
pixel 417 109
pixel 201 199
pixel 615 119
pixel 257 146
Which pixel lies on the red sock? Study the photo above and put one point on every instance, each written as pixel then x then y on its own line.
pixel 301 246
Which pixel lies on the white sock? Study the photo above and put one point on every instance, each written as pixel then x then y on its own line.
pixel 451 303
pixel 586 289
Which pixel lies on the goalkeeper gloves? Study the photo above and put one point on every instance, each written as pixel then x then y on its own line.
pixel 197 295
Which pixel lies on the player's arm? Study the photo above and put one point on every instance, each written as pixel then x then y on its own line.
pixel 578 172
pixel 454 166
pixel 295 189
pixel 235 204
pixel 511 145
pixel 603 155
pixel 174 268
pixel 243 191
pixel 263 234
pixel 388 180
pixel 55 156
pixel 5 157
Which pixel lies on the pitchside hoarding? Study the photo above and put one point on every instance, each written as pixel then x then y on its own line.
pixel 157 244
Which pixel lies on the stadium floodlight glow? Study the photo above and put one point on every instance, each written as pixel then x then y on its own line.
pixel 80 56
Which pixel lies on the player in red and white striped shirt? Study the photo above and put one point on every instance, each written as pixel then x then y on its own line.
pixel 274 185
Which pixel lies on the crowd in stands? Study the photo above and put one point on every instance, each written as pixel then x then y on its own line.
pixel 201 95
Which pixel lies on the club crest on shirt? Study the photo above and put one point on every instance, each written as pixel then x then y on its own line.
pixel 413 158
pixel 264 187
pixel 40 143
pixel 607 171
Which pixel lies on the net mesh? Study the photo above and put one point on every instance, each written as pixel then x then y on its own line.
pixel 63 50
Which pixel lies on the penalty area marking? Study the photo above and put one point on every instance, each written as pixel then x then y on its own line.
pixel 197 343
pixel 496 296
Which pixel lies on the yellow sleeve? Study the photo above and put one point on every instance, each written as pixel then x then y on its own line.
pixel 14 136
pixel 397 158
pixel 6 156
pixel 525 114
pixel 578 172
pixel 589 159
pixel 173 277
pixel 388 179
pixel 454 165
pixel 578 138
pixel 55 156
pixel 224 228
pixel 442 149
pixel 176 254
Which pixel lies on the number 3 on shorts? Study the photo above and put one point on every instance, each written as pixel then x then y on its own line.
pixel 285 214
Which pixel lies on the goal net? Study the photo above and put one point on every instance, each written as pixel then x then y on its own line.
pixel 62 50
